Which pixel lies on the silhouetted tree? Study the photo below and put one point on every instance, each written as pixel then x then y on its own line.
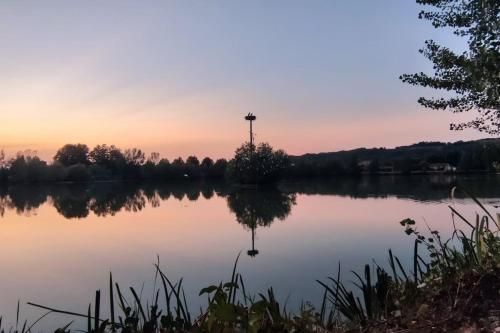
pixel 110 157
pixel 193 160
pixel 163 168
pixel 78 173
pixel 134 159
pixel 2 158
pixel 27 167
pixel 100 154
pixel 192 167
pixel 99 172
pixel 219 168
pixel 148 170
pixel 154 157
pixel 134 156
pixel 72 154
pixel 56 172
pixel 473 75
pixel 178 168
pixel 258 164
pixel 178 161
pixel 4 173
pixel 206 166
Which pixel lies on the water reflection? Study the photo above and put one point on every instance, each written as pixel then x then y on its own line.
pixel 420 188
pixel 103 199
pixel 260 208
pixel 252 207
pixel 304 229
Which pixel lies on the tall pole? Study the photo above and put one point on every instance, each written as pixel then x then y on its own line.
pixel 251 134
pixel 250 117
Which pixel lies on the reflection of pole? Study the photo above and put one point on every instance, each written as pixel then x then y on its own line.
pixel 253 252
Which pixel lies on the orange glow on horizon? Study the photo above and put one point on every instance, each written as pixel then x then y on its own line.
pixel 219 138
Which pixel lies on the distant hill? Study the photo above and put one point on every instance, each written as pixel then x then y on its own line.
pixel 481 154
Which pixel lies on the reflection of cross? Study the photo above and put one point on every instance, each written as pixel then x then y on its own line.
pixel 253 252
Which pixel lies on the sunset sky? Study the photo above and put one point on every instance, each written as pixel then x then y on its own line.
pixel 177 77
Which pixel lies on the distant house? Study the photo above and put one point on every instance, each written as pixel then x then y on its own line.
pixel 441 167
pixel 364 165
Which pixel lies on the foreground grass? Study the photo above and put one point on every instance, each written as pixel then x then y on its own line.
pixel 456 289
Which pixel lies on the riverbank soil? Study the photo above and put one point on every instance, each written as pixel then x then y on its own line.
pixel 470 305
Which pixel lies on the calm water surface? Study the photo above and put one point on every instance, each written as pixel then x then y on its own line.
pixel 59 242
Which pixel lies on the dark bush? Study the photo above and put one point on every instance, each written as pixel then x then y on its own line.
pixel 78 173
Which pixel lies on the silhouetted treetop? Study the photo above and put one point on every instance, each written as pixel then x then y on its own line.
pixel 154 158
pixel 72 154
pixel 207 163
pixel 178 161
pixel 258 164
pixel 473 75
pixel 193 160
pixel 135 156
pixel 106 155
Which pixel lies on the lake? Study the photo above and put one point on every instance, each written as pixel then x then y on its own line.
pixel 59 242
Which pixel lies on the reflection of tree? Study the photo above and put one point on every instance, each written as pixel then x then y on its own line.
pixel 150 193
pixel 163 193
pixel 71 201
pixel 417 187
pixel 255 208
pixel 207 192
pixel 252 208
pixel 178 193
pixel 193 194
pixel 260 207
pixel 103 199
pixel 110 198
pixel 135 202
pixel 26 199
pixel 4 199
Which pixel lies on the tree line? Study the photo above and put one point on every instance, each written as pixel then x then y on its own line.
pixel 462 157
pixel 76 162
pixel 250 164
